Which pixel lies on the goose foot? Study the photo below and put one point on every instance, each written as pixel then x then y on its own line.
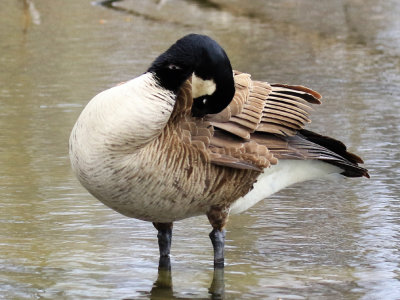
pixel 164 243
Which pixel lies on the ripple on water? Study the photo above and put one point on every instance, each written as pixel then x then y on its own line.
pixel 315 240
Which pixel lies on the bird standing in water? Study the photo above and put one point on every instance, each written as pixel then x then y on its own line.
pixel 191 136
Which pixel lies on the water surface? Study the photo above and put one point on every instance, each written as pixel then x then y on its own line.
pixel 315 240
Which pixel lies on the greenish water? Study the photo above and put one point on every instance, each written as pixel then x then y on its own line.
pixel 327 240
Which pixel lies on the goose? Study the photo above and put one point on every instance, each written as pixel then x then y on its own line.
pixel 191 137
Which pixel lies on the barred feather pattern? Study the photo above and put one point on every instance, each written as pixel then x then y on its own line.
pixel 137 148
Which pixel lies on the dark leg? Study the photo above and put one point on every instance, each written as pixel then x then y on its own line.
pixel 164 243
pixel 218 218
pixel 164 263
pixel 218 241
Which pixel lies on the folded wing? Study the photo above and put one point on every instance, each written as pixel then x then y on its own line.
pixel 263 123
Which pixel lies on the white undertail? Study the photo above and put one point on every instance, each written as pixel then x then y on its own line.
pixel 281 175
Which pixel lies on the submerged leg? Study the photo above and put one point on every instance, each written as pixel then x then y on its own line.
pixel 217 288
pixel 162 287
pixel 218 217
pixel 164 243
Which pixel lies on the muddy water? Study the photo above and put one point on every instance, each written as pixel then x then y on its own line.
pixel 316 240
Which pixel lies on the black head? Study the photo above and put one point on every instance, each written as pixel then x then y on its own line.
pixel 202 57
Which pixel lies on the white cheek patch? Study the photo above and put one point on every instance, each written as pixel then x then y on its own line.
pixel 202 87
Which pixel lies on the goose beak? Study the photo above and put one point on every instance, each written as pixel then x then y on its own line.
pixel 197 113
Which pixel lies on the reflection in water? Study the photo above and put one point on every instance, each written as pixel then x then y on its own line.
pixel 217 288
pixel 110 4
pixel 163 288
pixel 318 240
pixel 31 14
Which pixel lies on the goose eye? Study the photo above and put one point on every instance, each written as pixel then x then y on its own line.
pixel 204 101
pixel 174 67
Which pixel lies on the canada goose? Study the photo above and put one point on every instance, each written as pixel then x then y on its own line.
pixel 191 137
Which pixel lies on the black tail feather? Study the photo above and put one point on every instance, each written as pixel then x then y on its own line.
pixel 340 156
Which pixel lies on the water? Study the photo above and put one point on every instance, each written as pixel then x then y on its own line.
pixel 316 240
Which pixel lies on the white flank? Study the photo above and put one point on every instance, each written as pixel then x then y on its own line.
pixel 202 87
pixel 277 177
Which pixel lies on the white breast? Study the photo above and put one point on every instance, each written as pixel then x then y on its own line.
pixel 277 177
pixel 116 123
pixel 134 113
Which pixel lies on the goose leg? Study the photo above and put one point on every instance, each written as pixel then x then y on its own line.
pixel 164 243
pixel 218 218
pixel 218 241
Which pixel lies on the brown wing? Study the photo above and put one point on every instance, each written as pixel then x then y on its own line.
pixel 219 147
pixel 263 109
pixel 263 123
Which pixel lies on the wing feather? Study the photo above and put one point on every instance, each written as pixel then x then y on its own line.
pixel 263 123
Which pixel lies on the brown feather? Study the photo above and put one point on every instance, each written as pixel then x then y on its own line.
pixel 261 124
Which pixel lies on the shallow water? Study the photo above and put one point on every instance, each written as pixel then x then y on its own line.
pixel 321 239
